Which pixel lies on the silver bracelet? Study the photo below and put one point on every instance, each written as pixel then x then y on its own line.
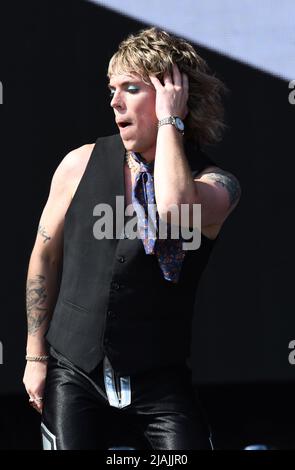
pixel 37 358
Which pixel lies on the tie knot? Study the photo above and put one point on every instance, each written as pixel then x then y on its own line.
pixel 144 167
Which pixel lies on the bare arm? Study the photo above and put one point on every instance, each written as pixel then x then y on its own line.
pixel 41 292
pixel 45 263
pixel 217 191
pixel 45 266
pixel 42 285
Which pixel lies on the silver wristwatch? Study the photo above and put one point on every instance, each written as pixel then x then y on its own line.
pixel 175 121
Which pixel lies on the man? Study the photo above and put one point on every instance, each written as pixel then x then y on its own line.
pixel 113 362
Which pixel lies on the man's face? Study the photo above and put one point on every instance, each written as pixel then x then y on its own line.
pixel 133 103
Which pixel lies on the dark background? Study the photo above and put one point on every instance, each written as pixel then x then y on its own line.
pixel 53 63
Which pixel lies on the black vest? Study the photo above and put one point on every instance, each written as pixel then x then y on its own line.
pixel 113 298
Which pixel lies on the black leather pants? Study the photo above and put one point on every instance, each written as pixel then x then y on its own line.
pixel 164 413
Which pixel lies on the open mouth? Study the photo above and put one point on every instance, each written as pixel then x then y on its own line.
pixel 123 125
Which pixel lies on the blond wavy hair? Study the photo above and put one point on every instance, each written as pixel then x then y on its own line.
pixel 152 52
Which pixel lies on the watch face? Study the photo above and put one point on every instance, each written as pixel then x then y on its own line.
pixel 179 124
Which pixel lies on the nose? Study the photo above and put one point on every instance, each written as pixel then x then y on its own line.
pixel 116 101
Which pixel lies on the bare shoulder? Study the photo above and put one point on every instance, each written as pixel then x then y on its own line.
pixel 219 192
pixel 221 178
pixel 72 167
pixel 65 179
pixel 75 162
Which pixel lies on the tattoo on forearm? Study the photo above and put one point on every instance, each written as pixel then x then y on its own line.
pixel 36 307
pixel 42 232
pixel 228 181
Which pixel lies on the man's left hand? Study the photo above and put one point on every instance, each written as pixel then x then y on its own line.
pixel 171 98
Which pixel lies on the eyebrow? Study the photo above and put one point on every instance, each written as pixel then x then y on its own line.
pixel 127 82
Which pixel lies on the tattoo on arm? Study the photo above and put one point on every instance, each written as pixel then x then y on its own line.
pixel 228 181
pixel 42 232
pixel 36 307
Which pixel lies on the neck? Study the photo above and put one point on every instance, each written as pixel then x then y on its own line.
pixel 148 156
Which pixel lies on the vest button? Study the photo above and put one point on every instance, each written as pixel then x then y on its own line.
pixel 121 259
pixel 110 313
pixel 115 285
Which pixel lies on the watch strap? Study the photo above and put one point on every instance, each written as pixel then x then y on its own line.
pixel 169 120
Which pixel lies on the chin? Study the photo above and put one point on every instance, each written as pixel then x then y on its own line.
pixel 130 146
